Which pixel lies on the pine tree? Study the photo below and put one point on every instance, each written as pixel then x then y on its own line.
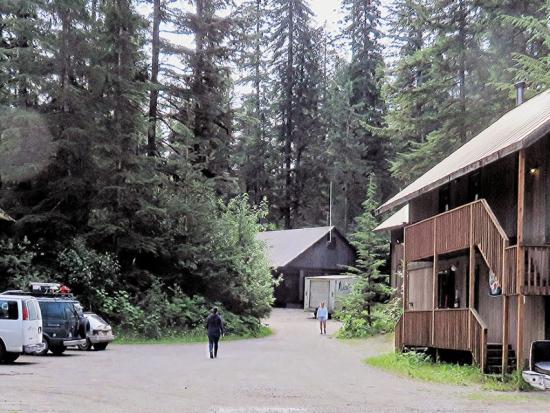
pixel 528 20
pixel 356 145
pixel 456 76
pixel 371 287
pixel 152 144
pixel 253 151
pixel 296 73
pixel 205 109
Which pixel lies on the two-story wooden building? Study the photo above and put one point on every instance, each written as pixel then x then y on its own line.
pixel 476 248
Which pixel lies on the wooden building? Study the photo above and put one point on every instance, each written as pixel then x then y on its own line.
pixel 298 253
pixel 476 249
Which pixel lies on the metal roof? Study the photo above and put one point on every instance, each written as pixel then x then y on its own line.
pixel 286 245
pixel 397 220
pixel 332 277
pixel 5 217
pixel 515 130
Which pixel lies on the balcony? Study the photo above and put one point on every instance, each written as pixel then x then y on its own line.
pixel 470 225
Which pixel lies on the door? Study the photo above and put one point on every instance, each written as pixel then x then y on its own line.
pixel 318 291
pixel 32 327
pixel 10 324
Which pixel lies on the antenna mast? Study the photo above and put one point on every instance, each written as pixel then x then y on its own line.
pixel 330 212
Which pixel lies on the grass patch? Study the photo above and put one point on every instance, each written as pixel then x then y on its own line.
pixel 189 337
pixel 419 366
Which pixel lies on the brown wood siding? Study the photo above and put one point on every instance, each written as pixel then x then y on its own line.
pixel 417 328
pixel 450 329
pixel 536 193
pixel 498 187
pixel 533 327
pixel 420 240
pixel 489 307
pixel 451 233
pixel 320 255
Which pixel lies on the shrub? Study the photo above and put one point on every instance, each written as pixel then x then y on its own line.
pixel 168 312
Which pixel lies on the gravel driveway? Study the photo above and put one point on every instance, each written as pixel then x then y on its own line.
pixel 295 370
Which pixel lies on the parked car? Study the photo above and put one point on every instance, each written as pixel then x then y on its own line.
pixel 20 326
pixel 63 326
pixel 99 335
pixel 538 375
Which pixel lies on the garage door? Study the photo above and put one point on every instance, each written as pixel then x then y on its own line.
pixel 318 291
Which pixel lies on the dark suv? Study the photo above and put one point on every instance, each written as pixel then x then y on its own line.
pixel 64 324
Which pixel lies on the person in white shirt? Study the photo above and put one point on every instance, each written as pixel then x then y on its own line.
pixel 322 316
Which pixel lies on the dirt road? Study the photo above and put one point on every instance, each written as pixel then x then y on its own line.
pixel 295 370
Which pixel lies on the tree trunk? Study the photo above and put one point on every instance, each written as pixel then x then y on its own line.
pixel 153 99
pixel 462 69
pixel 288 126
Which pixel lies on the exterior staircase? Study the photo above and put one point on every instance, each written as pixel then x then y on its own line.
pixel 494 359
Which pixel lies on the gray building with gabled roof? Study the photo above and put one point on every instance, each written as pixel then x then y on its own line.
pixel 299 253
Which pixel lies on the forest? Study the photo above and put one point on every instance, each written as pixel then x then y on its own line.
pixel 140 167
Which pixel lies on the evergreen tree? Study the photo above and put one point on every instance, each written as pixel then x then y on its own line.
pixel 528 21
pixel 205 107
pixel 253 152
pixel 296 72
pixel 456 77
pixel 356 145
pixel 371 286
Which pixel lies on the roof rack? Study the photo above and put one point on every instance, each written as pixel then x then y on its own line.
pixel 39 289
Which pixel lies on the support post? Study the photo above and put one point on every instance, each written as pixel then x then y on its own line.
pixel 505 316
pixel 520 263
pixel 471 275
pixel 404 285
pixel 434 295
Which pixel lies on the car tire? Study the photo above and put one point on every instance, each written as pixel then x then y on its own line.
pixel 10 357
pixel 100 346
pixel 58 350
pixel 85 347
pixel 46 348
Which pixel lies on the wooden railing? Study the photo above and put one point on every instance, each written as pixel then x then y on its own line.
pixel 509 283
pixel 417 328
pixel 456 329
pixel 457 229
pixel 489 237
pixel 536 279
pixel 450 329
pixel 477 335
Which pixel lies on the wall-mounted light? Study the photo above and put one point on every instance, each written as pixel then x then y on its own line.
pixel 534 170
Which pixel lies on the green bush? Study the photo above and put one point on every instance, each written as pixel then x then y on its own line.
pixel 355 320
pixel 168 312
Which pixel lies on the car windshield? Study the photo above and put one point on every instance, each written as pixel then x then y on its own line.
pixel 56 309
pixel 98 318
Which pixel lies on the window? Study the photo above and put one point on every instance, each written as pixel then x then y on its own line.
pixel 9 310
pixel 99 319
pixel 53 310
pixel 444 198
pixel 33 311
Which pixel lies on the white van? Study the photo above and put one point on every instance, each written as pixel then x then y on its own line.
pixel 20 326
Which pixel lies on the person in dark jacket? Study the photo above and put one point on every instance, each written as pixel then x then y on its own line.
pixel 214 326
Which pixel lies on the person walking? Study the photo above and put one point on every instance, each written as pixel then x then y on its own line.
pixel 214 326
pixel 322 316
